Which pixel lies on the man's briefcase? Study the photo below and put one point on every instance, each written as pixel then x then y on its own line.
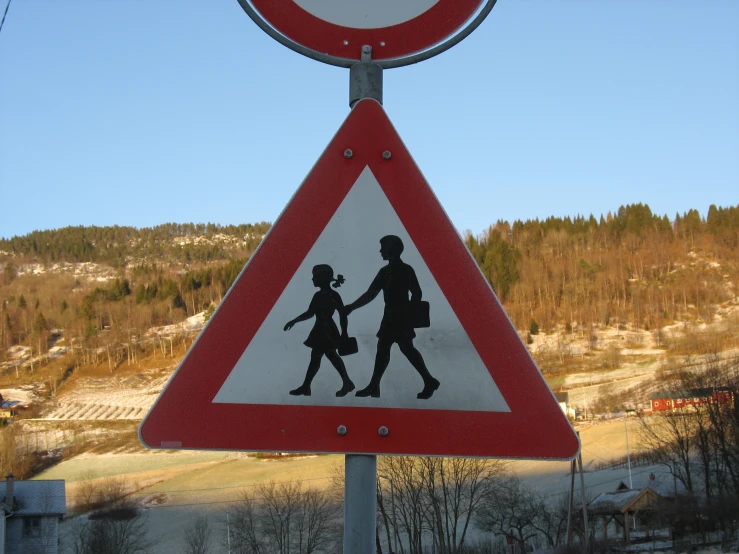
pixel 420 314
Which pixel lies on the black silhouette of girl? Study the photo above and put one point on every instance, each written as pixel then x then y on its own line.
pixel 396 281
pixel 324 338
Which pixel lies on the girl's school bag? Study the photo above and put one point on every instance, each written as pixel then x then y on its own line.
pixel 348 346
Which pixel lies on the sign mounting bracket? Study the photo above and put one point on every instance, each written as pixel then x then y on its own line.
pixel 365 79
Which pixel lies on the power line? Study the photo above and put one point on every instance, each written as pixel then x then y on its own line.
pixel 4 14
pixel 594 454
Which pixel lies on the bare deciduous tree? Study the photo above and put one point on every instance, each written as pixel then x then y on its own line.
pixel 108 536
pixel 243 532
pixel 282 518
pixel 670 435
pixel 698 440
pixel 198 537
pixel 432 499
pixel 454 488
pixel 94 493
pixel 515 510
pixel 406 477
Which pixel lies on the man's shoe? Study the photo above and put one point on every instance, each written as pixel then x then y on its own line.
pixel 369 390
pixel 302 390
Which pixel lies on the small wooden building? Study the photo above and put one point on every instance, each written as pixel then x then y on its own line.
pixel 630 509
pixel 8 408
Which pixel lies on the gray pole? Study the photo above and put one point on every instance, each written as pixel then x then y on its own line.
pixel 395 519
pixel 360 471
pixel 628 455
pixel 586 530
pixel 571 503
pixel 628 452
pixel 228 533
pixel 360 503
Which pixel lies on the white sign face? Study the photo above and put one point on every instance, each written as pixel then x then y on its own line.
pixel 366 14
pixel 276 361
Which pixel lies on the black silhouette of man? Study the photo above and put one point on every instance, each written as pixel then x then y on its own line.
pixel 396 280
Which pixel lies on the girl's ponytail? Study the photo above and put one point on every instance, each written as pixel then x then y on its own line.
pixel 338 281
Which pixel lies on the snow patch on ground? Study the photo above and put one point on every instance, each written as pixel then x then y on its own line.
pixel 190 325
pixel 215 239
pixel 18 352
pixel 640 353
pixel 26 396
pixel 113 398
pixel 85 270
pixel 57 351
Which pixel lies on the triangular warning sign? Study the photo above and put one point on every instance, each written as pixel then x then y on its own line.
pixel 361 325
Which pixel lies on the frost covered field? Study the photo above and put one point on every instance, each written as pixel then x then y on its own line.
pixel 175 486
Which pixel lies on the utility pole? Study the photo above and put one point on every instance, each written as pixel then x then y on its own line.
pixel 575 466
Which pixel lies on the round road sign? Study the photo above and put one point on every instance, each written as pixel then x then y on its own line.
pixel 393 28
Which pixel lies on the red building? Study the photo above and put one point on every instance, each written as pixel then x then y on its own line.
pixel 670 400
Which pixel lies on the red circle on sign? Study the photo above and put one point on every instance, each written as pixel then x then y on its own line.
pixel 417 34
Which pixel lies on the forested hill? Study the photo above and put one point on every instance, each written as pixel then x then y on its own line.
pixel 116 246
pixel 628 269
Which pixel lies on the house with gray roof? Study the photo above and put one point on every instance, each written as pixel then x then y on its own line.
pixel 31 513
pixel 636 507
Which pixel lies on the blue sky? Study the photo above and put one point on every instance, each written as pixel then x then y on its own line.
pixel 139 113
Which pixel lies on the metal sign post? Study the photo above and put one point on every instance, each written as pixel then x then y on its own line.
pixel 360 503
pixel 360 471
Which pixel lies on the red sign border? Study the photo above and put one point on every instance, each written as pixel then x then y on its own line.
pixel 184 416
pixel 431 27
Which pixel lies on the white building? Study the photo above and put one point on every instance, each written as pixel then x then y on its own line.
pixel 32 511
